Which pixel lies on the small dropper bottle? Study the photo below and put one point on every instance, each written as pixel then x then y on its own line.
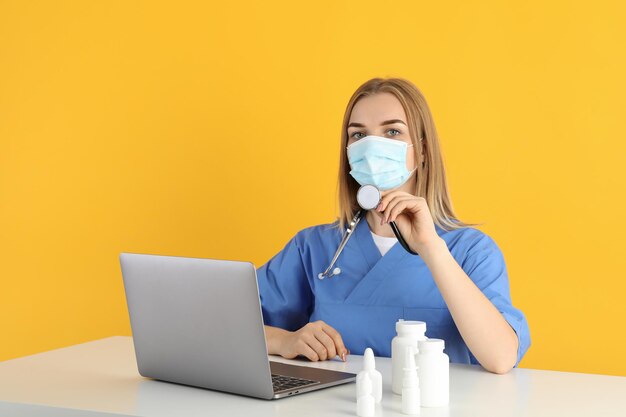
pixel 365 400
pixel 369 367
pixel 410 384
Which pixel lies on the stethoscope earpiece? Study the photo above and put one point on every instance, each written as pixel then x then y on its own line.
pixel 335 271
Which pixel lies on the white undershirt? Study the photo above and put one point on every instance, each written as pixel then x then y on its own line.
pixel 383 243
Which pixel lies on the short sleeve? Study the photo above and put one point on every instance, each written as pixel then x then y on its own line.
pixel 286 296
pixel 484 264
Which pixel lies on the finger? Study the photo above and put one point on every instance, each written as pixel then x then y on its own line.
pixel 393 205
pixel 387 198
pixel 385 201
pixel 399 208
pixel 334 334
pixel 328 343
pixel 315 344
pixel 414 205
pixel 307 351
pixel 387 207
pixel 395 201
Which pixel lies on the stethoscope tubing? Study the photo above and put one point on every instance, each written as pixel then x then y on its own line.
pixel 328 273
pixel 396 232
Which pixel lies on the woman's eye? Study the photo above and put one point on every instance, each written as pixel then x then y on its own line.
pixel 391 132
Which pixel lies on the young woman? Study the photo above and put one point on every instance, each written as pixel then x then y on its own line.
pixel 457 284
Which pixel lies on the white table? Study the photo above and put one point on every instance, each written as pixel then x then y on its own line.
pixel 100 377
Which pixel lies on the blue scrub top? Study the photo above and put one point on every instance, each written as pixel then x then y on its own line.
pixel 372 292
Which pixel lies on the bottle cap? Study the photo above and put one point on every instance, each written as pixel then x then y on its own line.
pixel 411 327
pixel 431 345
pixel 368 360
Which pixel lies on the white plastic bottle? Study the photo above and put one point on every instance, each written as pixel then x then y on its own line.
pixel 369 367
pixel 410 384
pixel 409 333
pixel 365 400
pixel 434 373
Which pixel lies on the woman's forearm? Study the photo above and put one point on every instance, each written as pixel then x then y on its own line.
pixel 487 334
pixel 273 337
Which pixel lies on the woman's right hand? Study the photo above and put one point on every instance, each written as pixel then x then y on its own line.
pixel 316 341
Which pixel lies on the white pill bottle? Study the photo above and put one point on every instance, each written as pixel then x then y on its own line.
pixel 409 333
pixel 433 370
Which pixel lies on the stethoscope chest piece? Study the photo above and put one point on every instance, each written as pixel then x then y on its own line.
pixel 368 197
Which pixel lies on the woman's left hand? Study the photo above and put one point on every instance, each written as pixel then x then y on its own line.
pixel 412 216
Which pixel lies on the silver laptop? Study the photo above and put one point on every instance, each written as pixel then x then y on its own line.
pixel 199 322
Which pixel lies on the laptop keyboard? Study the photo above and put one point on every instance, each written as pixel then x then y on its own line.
pixel 284 382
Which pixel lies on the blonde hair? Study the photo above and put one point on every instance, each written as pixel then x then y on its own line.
pixel 430 178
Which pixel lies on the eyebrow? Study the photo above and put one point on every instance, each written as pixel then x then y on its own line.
pixel 386 122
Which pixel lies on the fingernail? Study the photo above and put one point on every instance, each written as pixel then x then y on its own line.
pixel 343 357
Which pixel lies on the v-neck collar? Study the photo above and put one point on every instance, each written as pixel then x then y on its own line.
pixel 369 250
pixel 368 246
pixel 378 266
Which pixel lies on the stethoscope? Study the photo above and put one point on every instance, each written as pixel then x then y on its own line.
pixel 368 198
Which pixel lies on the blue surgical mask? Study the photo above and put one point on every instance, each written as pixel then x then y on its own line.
pixel 379 161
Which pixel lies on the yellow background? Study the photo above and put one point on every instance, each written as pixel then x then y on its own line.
pixel 210 129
